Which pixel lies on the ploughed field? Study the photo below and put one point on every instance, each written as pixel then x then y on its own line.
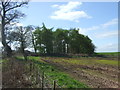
pixel 81 72
pixel 94 72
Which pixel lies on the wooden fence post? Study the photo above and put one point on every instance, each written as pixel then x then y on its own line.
pixel 54 85
pixel 33 65
pixel 30 66
pixel 43 80
pixel 37 75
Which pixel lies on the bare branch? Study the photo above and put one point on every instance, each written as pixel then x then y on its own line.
pixel 11 19
pixel 13 16
pixel 16 6
pixel 7 2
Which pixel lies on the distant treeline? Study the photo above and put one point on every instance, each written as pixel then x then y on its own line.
pixel 61 41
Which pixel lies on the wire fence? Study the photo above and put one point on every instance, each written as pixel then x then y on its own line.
pixel 40 79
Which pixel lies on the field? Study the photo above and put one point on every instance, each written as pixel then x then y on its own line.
pixel 109 54
pixel 93 72
pixel 82 72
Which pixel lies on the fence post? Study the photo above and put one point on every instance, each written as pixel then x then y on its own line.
pixel 33 65
pixel 30 66
pixel 43 80
pixel 37 75
pixel 54 85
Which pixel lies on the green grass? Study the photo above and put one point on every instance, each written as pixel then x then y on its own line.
pixel 109 62
pixel 109 53
pixel 3 60
pixel 53 73
pixel 84 61
pixel 64 79
pixel 78 62
pixel 20 57
pixel 33 58
pixel 74 61
pixel 92 62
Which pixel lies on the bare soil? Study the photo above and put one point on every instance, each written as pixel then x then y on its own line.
pixel 95 76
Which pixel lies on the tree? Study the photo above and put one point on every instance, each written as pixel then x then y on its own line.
pixel 80 43
pixel 34 43
pixel 61 40
pixel 47 39
pixel 89 45
pixel 22 35
pixel 38 40
pixel 74 41
pixel 9 14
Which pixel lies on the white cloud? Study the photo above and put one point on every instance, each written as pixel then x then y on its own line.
pixel 108 34
pixel 112 22
pixel 19 24
pixel 16 24
pixel 101 27
pixel 110 47
pixel 82 31
pixel 68 12
pixel 85 30
pixel 92 28
pixel 55 5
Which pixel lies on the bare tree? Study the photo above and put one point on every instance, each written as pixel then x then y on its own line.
pixel 9 14
pixel 24 37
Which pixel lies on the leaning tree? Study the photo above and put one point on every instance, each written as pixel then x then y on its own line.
pixel 9 14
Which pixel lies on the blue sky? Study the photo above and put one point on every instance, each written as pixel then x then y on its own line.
pixel 98 20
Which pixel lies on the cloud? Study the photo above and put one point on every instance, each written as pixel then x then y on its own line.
pixel 85 30
pixel 68 12
pixel 15 24
pixel 110 47
pixel 19 24
pixel 101 27
pixel 55 5
pixel 107 34
pixel 112 22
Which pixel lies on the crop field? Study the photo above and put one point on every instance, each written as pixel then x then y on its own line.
pixel 82 72
pixel 109 54
pixel 16 73
pixel 94 72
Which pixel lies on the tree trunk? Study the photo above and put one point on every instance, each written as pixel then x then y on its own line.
pixel 7 48
pixel 34 43
pixel 23 49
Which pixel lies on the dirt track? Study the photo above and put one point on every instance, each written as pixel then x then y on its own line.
pixel 95 76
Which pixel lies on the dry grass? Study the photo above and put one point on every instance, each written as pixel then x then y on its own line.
pixel 14 74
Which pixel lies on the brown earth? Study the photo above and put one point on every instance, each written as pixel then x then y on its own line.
pixel 95 76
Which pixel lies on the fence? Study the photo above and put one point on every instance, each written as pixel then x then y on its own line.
pixel 40 78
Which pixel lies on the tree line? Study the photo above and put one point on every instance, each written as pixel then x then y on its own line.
pixel 48 41
pixel 61 41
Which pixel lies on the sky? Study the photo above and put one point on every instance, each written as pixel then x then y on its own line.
pixel 98 20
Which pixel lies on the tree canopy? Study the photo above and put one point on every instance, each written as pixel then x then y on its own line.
pixel 62 41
